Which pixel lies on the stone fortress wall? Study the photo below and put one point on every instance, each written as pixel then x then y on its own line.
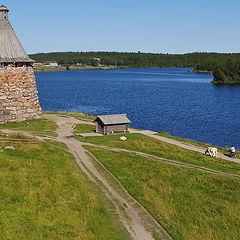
pixel 18 94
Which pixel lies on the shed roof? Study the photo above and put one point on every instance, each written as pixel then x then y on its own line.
pixel 113 119
pixel 11 49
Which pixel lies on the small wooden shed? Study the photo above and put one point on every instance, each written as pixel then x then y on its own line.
pixel 109 124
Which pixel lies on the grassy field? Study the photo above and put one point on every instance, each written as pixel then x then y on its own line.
pixel 44 195
pixel 84 128
pixel 141 143
pixel 191 205
pixel 38 127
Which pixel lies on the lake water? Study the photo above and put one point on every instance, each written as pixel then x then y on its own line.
pixel 174 100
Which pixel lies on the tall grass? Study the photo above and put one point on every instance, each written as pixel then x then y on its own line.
pixel 191 205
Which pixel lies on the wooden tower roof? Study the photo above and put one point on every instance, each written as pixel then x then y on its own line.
pixel 11 50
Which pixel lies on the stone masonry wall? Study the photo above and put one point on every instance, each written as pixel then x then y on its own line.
pixel 18 94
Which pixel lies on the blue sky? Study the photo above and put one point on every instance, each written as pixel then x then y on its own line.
pixel 169 26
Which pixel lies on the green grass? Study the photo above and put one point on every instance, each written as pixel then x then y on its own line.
pixel 198 144
pixel 4 136
pixel 80 116
pixel 84 128
pixel 57 144
pixel 141 143
pixel 116 185
pixel 44 195
pixel 38 127
pixel 109 177
pixel 191 205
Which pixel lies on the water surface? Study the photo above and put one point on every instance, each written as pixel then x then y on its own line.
pixel 174 100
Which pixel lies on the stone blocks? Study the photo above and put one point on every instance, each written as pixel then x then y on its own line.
pixel 18 94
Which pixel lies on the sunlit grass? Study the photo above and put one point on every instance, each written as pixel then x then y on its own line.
pixel 190 204
pixel 44 195
pixel 38 127
pixel 84 128
pixel 80 116
pixel 141 143
pixel 198 144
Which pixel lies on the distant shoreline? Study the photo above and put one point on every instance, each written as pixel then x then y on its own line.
pixel 224 66
pixel 200 71
pixel 54 69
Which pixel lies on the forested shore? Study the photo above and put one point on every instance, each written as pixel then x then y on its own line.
pixel 224 66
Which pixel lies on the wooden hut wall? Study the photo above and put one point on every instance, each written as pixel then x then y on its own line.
pixel 116 128
pixel 99 127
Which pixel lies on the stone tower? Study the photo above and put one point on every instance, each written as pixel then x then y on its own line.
pixel 18 92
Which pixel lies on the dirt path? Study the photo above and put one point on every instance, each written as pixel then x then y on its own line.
pixel 152 134
pixel 165 160
pixel 135 218
pixel 132 152
pixel 133 215
pixel 182 144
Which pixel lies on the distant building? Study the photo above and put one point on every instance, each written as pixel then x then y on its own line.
pixel 96 62
pixel 53 64
pixel 36 65
pixel 109 124
pixel 50 64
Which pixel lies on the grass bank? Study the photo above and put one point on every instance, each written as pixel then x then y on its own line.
pixel 192 142
pixel 80 116
pixel 37 127
pixel 190 204
pixel 141 143
pixel 44 195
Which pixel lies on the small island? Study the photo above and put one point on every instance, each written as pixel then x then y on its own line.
pixel 227 73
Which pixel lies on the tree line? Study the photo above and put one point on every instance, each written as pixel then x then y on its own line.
pixel 224 66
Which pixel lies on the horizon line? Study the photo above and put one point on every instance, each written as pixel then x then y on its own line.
pixel 138 52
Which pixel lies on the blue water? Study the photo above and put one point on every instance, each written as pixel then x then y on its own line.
pixel 174 100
